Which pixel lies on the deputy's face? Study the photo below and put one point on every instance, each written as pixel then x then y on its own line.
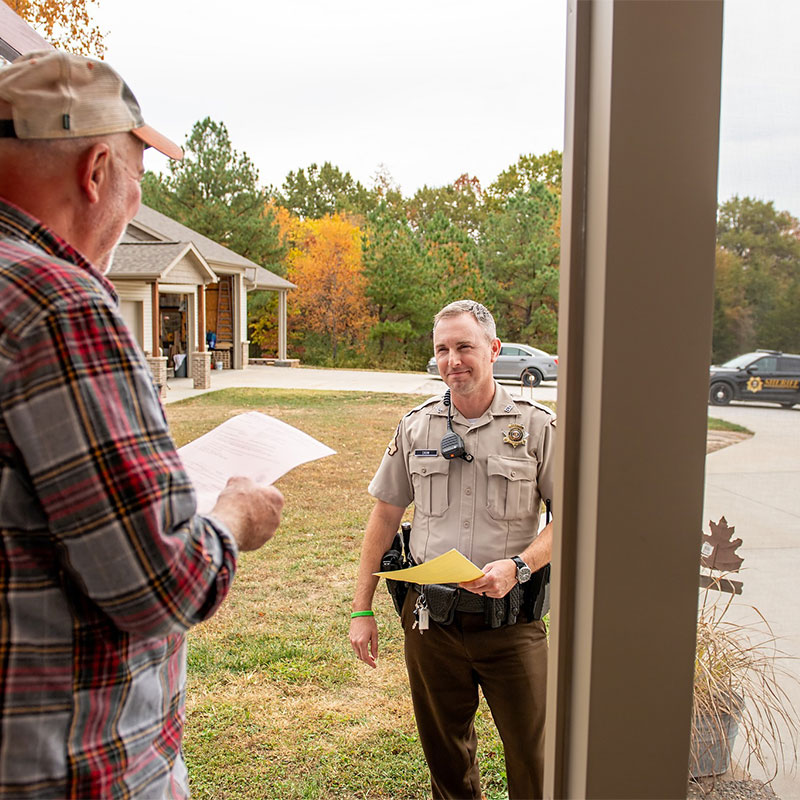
pixel 463 354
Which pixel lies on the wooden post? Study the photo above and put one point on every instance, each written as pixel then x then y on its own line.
pixel 156 314
pixel 201 318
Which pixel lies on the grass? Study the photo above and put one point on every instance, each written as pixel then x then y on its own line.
pixel 715 424
pixel 277 705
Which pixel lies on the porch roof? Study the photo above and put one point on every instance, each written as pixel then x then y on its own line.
pixel 220 258
pixel 155 260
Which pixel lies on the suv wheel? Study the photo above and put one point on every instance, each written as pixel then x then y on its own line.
pixel 787 405
pixel 721 394
pixel 531 377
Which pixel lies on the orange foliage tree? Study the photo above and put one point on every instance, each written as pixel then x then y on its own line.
pixel 329 301
pixel 66 24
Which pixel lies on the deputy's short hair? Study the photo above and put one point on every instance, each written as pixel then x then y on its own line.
pixel 481 314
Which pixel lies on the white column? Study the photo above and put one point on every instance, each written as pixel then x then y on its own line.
pixel 282 351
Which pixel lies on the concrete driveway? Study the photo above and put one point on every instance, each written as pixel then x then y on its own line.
pixel 756 486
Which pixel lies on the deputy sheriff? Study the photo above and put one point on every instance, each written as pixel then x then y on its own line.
pixel 483 499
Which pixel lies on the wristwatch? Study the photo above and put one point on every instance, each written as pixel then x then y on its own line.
pixel 523 570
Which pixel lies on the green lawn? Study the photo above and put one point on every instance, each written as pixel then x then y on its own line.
pixel 277 705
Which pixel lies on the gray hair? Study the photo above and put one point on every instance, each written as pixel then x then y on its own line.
pixel 481 314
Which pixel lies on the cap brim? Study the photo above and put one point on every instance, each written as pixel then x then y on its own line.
pixel 153 138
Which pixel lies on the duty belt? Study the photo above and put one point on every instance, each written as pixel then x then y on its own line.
pixel 466 601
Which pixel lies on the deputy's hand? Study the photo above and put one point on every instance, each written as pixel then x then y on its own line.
pixel 364 639
pixel 251 512
pixel 498 579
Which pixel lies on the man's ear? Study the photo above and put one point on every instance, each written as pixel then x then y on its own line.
pixel 495 345
pixel 94 170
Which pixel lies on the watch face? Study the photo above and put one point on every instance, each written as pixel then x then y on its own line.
pixel 523 570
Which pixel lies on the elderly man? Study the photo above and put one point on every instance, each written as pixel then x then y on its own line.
pixel 104 562
pixel 483 499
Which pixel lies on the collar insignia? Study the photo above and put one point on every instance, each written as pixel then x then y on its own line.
pixel 515 435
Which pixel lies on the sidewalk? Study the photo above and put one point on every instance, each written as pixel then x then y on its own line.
pixel 756 485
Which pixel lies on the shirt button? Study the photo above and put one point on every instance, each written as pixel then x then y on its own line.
pixel 467 490
pixel 513 474
pixel 423 470
pixel 466 523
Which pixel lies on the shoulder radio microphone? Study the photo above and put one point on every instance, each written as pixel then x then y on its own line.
pixel 452 445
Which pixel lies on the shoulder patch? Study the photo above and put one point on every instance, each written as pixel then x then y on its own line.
pixel 391 448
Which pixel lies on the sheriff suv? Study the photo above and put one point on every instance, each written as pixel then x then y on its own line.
pixel 766 375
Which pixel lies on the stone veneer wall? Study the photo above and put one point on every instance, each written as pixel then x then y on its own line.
pixel 158 366
pixel 201 370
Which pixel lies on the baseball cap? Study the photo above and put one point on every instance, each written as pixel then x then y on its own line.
pixel 57 95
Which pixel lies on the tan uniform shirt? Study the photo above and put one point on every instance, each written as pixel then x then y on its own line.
pixel 488 508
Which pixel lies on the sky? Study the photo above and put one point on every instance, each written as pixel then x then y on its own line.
pixel 426 89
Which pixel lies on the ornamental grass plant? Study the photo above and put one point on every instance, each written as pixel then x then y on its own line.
pixel 740 684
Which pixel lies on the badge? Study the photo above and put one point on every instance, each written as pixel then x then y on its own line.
pixel 515 435
pixel 755 384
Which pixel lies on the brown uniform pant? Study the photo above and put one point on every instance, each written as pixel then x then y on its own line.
pixel 446 665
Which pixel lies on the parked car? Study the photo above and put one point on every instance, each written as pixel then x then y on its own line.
pixel 519 362
pixel 766 375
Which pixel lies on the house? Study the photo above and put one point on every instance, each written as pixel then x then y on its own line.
pixel 180 291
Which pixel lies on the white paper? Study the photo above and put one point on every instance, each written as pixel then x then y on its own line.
pixel 253 445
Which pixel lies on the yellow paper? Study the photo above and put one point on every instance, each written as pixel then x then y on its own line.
pixel 451 567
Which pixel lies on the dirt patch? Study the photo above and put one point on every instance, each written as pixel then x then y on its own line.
pixel 716 440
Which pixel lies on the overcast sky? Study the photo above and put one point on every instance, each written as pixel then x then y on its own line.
pixel 428 88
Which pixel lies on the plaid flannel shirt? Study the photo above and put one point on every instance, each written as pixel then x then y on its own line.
pixel 103 562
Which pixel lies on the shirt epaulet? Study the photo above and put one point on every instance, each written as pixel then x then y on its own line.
pixel 435 399
pixel 518 400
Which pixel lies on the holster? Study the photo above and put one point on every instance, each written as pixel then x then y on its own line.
pixel 397 591
pixel 536 594
pixel 441 600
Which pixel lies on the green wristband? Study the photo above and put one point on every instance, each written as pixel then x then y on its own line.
pixel 362 614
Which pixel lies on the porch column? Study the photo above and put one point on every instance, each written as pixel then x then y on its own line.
pixel 636 301
pixel 201 318
pixel 282 351
pixel 156 315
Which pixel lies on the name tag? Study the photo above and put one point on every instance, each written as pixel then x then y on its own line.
pixel 426 452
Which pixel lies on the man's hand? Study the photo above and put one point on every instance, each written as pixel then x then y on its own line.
pixel 498 579
pixel 364 639
pixel 251 512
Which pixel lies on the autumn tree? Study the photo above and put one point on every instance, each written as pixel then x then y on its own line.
pixel 66 24
pixel 215 191
pixel 328 309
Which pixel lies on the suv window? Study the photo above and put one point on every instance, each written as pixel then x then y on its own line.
pixel 789 365
pixel 768 364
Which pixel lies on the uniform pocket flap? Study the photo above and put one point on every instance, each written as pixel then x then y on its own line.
pixel 512 469
pixel 428 465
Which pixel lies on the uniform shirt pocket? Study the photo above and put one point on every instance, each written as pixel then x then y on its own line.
pixel 512 487
pixel 429 479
